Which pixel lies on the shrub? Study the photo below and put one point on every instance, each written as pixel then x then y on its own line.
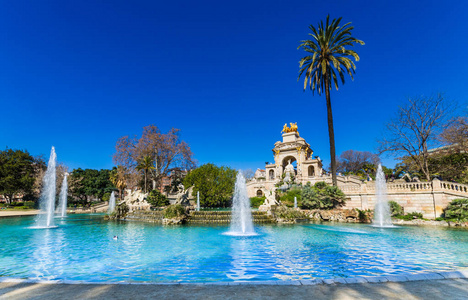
pixel 457 209
pixel 120 211
pixel 395 209
pixel 257 201
pixel 362 215
pixel 174 211
pixel 322 196
pixel 155 198
pixel 410 216
pixel 284 212
pixel 29 204
pixel 288 198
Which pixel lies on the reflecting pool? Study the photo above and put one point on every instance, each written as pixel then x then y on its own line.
pixel 82 248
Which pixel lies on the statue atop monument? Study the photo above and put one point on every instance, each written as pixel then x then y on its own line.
pixel 287 129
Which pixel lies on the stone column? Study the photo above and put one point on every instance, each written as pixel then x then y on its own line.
pixel 438 198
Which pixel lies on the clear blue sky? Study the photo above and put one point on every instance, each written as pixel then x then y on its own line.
pixel 80 74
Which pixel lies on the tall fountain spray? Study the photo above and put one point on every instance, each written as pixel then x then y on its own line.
pixel 111 207
pixel 241 217
pixel 63 197
pixel 382 209
pixel 295 202
pixel 198 201
pixel 47 201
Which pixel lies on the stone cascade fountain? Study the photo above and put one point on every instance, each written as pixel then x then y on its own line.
pixel 241 217
pixel 111 207
pixel 63 198
pixel 382 216
pixel 45 219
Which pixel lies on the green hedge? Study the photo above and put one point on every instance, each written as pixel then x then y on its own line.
pixel 255 202
pixel 174 211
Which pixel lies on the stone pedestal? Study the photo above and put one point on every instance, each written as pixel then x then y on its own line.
pixel 290 137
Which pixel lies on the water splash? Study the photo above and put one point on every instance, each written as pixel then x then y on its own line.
pixel 45 219
pixel 63 197
pixel 382 208
pixel 241 218
pixel 111 207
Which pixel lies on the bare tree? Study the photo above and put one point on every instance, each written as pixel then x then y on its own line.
pixel 168 151
pixel 354 161
pixel 248 174
pixel 415 129
pixel 456 135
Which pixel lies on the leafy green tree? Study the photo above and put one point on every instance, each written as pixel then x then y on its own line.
pixel 322 196
pixel 215 184
pixel 156 199
pixel 18 171
pixel 452 166
pixel 328 60
pixel 457 209
pixel 89 183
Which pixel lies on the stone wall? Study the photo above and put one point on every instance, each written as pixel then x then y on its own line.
pixel 428 198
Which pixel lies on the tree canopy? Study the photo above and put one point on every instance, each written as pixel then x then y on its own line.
pixel 215 184
pixel 356 162
pixel 18 173
pixel 90 183
pixel 167 151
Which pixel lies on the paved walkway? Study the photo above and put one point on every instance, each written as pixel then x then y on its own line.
pixel 18 213
pixel 425 289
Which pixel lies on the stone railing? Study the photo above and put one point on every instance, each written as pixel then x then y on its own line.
pixel 351 189
pixel 454 187
pixel 409 187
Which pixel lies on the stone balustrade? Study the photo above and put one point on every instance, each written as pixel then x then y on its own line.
pixel 455 187
pixel 408 187
pixel 428 198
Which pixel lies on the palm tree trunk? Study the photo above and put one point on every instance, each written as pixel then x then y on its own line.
pixel 331 132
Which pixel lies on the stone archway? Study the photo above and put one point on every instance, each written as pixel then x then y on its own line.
pixel 286 160
pixel 271 175
pixel 311 171
pixel 259 193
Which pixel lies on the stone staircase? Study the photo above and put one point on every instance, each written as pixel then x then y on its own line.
pixel 154 216
pixel 224 217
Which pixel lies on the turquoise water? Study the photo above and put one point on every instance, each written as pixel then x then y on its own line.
pixel 82 248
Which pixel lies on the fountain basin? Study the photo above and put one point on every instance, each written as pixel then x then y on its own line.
pixel 82 248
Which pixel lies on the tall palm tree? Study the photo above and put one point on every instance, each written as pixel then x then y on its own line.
pixel 145 164
pixel 118 179
pixel 327 60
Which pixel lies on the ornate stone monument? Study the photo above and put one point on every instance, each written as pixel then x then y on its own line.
pixel 293 163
